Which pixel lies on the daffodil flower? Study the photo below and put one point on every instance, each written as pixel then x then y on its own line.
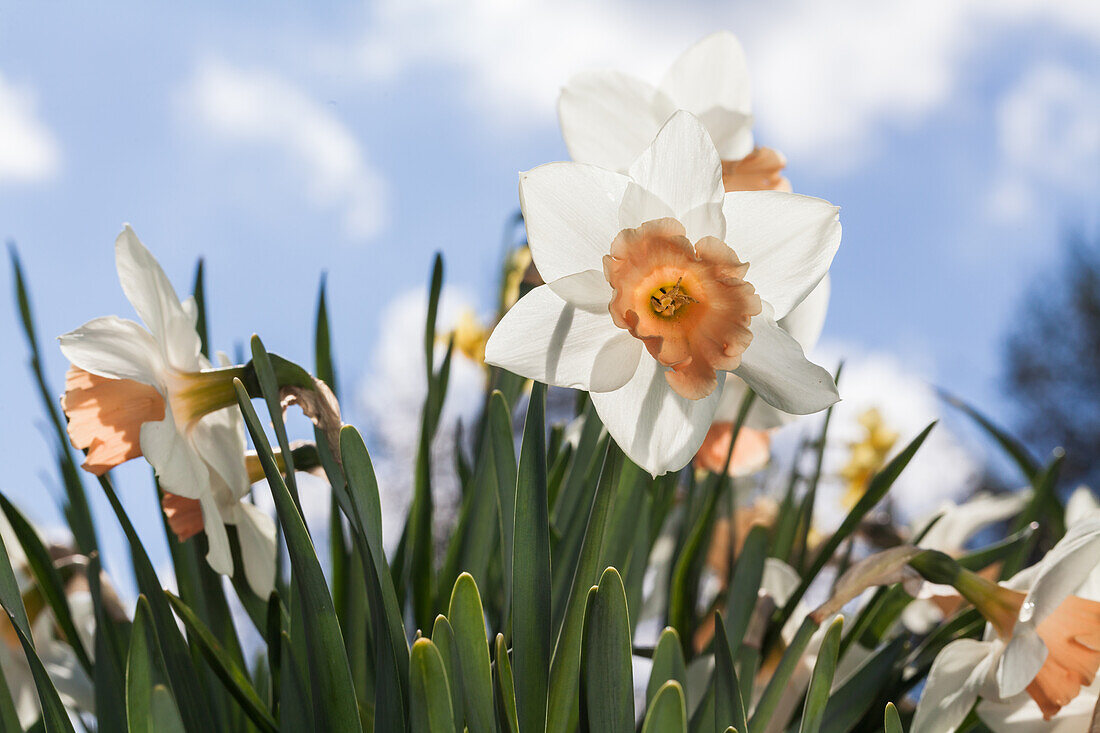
pixel 659 282
pixel 1041 645
pixel 148 391
pixel 608 118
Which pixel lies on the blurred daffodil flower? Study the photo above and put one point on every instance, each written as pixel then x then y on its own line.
pixel 867 456
pixel 148 391
pixel 608 118
pixel 1042 641
pixel 470 336
pixel 646 305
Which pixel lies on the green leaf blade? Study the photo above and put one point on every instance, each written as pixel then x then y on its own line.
pixel 531 571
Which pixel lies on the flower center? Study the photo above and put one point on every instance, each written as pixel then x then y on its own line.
pixel 689 305
pixel 668 298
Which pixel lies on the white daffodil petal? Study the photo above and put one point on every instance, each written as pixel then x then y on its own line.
pixel 155 300
pixel 658 429
pixel 704 221
pixel 731 131
pixel 257 534
pixel 608 118
pixel 762 416
pixel 640 205
pixel 958 524
pixel 549 340
pixel 178 467
pixel 788 240
pixel 951 687
pixel 572 216
pixel 681 167
pixel 712 73
pixel 218 554
pixel 779 580
pixel 921 616
pixel 1081 506
pixel 1022 659
pixel 191 308
pixel 1062 571
pixel 777 370
pixel 219 439
pixel 807 319
pixel 588 290
pixel 115 348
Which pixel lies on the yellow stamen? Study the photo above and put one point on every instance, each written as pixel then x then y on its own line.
pixel 667 300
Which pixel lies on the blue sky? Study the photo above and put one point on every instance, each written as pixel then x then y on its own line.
pixel 960 137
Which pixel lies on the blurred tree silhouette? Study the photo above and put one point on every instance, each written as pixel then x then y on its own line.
pixel 1053 360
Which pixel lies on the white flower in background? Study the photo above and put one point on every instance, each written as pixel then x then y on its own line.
pixel 1041 645
pixel 73 685
pixel 954 526
pixel 883 397
pixel 608 118
pixel 148 391
pixel 393 395
pixel 646 305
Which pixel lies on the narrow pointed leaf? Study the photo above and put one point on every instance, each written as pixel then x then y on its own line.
pixel 531 571
pixel 607 669
pixel 667 713
pixel 429 695
pixel 668 664
pixel 366 522
pixel 1012 447
pixel 747 574
pixel 334 704
pixel 505 471
pixel 467 619
pixel 861 690
pixel 234 679
pixel 769 700
pixel 145 670
pixel 443 636
pixel 269 390
pixel 821 681
pixel 729 708
pixel 109 675
pixel 164 714
pixel 891 721
pixel 565 667
pixel 506 687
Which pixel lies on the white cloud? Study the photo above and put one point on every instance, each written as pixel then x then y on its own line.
pixel 240 106
pixel 1048 135
pixel 28 150
pixel 828 77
